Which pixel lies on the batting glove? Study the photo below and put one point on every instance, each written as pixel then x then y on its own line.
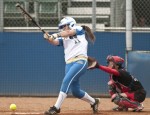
pixel 56 35
pixel 47 36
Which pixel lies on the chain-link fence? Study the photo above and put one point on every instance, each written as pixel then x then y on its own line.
pixel 101 13
pixel 142 12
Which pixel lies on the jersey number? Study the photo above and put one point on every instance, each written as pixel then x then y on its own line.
pixel 76 40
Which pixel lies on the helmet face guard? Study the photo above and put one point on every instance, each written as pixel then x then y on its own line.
pixel 61 27
pixel 116 59
pixel 67 21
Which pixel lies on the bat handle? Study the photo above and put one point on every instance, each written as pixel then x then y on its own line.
pixel 43 31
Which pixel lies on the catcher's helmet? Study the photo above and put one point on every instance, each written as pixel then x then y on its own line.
pixel 116 59
pixel 67 21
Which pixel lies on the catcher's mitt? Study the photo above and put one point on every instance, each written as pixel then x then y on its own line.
pixel 92 63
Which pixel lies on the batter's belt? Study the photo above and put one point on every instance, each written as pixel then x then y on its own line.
pixel 80 57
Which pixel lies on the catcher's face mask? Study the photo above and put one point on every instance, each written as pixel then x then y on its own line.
pixel 115 59
pixel 111 64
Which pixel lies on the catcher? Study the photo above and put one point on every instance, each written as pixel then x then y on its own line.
pixel 125 90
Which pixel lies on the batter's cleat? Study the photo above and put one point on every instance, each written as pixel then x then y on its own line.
pixel 139 108
pixel 95 105
pixel 120 108
pixel 52 111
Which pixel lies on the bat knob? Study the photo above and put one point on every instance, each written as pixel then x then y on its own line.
pixel 17 5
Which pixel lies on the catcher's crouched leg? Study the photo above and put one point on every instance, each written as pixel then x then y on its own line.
pixel 117 99
pixel 125 103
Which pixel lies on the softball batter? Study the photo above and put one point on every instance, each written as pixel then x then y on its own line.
pixel 74 40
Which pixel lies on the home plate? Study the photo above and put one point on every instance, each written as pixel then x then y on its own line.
pixel 27 113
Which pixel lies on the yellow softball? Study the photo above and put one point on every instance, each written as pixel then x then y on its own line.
pixel 13 107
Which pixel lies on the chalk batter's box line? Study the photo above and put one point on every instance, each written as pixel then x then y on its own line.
pixel 27 113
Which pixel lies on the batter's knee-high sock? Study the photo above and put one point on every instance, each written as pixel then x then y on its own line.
pixel 60 99
pixel 88 98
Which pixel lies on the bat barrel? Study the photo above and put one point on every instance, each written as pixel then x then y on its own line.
pixel 29 17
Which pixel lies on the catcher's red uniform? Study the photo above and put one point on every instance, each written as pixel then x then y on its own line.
pixel 122 82
pixel 129 85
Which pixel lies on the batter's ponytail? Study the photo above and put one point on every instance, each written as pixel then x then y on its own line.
pixel 89 34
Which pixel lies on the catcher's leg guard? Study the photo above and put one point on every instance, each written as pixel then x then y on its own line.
pixel 116 99
pixel 125 102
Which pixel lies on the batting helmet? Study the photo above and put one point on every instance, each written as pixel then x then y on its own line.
pixel 67 21
pixel 116 59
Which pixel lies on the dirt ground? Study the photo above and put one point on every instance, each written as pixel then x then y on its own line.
pixel 71 106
